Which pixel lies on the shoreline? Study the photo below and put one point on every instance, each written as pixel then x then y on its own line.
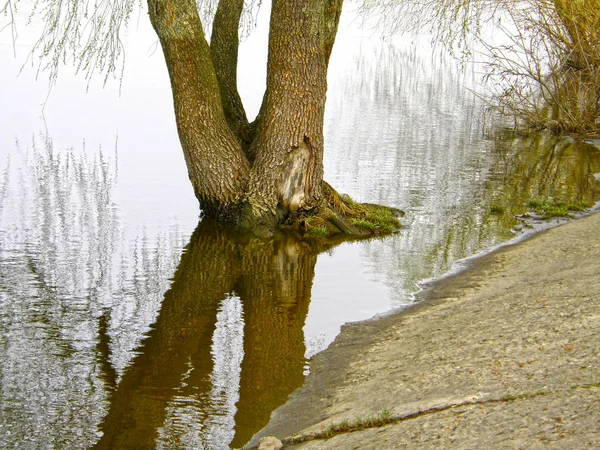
pixel 467 263
pixel 538 291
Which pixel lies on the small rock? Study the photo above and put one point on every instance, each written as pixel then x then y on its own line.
pixel 269 443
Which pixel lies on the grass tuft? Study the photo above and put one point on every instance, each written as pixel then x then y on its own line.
pixel 549 208
pixel 318 231
pixel 385 414
pixel 383 417
pixel 512 397
pixel 586 386
pixel 378 219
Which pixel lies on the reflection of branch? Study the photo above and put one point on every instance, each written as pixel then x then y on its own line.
pixel 4 185
pixel 103 347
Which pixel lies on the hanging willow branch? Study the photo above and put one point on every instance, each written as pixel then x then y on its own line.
pixel 86 34
pixel 207 9
pixel 542 56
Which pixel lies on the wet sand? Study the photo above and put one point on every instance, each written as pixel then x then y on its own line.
pixel 505 354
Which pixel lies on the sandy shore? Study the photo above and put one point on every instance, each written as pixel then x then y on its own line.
pixel 503 355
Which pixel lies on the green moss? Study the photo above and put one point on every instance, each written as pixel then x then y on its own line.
pixel 513 397
pixel 341 216
pixel 309 221
pixel 362 223
pixel 383 417
pixel 378 219
pixel 549 208
pixel 497 209
pixel 318 231
pixel 586 386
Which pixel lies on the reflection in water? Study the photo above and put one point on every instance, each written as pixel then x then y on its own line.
pixel 77 298
pixel 518 170
pixel 543 166
pixel 73 299
pixel 180 389
pixel 409 126
pixel 409 123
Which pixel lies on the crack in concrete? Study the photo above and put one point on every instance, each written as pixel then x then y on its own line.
pixel 377 421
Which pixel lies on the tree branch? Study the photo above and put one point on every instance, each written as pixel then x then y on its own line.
pixel 332 19
pixel 216 164
pixel 224 44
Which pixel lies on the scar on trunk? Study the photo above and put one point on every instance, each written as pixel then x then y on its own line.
pixel 293 180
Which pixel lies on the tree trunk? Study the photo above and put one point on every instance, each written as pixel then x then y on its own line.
pixel 216 165
pixel 224 45
pixel 257 175
pixel 288 170
pixel 287 174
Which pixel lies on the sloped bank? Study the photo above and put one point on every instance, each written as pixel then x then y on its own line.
pixel 504 354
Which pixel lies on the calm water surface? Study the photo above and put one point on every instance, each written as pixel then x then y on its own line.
pixel 126 323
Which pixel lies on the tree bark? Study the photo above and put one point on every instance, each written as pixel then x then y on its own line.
pixel 256 175
pixel 333 11
pixel 224 45
pixel 288 170
pixel 216 165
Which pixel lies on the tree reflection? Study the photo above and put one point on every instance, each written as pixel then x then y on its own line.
pixel 519 169
pixel 461 191
pixel 273 280
pixel 75 292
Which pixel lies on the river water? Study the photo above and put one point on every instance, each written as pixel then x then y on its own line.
pixel 125 323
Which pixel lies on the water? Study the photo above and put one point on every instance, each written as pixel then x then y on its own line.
pixel 125 323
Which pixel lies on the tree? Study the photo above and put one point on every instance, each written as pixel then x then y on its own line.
pixel 282 162
pixel 257 175
pixel 542 56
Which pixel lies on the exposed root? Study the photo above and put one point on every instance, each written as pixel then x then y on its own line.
pixel 339 215
pixel 341 204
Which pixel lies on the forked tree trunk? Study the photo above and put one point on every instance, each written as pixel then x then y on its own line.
pixel 285 172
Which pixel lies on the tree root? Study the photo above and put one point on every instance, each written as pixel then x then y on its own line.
pixel 341 216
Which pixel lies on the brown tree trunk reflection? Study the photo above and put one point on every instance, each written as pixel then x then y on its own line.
pixel 275 290
pixel 273 280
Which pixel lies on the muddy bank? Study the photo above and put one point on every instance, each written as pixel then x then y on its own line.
pixel 506 354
